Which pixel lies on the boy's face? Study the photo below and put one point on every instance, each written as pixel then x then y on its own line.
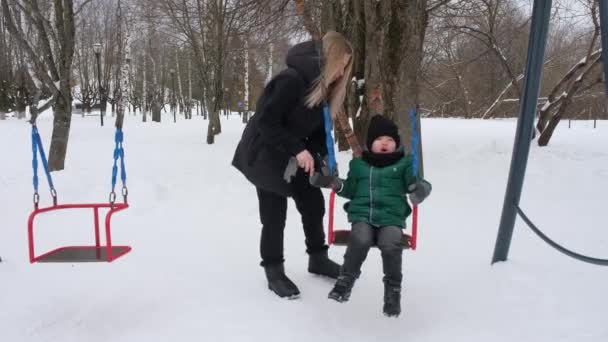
pixel 384 144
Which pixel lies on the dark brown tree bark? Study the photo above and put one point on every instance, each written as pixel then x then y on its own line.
pixel 395 33
pixel 566 100
pixel 55 67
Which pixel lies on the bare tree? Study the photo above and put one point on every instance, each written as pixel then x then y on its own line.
pixel 6 69
pixel 208 26
pixel 86 91
pixel 582 77
pixel 124 64
pixel 56 40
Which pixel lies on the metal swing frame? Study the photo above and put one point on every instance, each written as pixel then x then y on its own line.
pixel 541 15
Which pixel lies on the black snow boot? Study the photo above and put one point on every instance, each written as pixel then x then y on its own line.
pixel 342 289
pixel 279 283
pixel 392 300
pixel 319 263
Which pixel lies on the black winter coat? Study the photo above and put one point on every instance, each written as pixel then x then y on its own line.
pixel 282 125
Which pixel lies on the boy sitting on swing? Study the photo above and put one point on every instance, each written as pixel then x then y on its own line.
pixel 376 186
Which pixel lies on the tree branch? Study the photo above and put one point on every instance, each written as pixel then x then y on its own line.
pixel 81 7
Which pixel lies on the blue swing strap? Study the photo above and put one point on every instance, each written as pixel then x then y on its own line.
pixel 38 148
pixel 119 154
pixel 329 141
pixel 414 142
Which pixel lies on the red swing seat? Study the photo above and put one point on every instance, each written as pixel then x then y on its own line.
pixel 341 237
pixel 94 253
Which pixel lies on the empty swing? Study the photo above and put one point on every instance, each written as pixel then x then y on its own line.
pixel 74 254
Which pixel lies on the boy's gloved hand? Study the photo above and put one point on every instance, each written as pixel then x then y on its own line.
pixel 419 191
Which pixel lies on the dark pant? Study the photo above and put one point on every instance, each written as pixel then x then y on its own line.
pixel 273 213
pixel 388 239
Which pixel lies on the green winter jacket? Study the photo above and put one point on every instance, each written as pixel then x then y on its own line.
pixel 378 195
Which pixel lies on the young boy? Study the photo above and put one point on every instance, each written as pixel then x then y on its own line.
pixel 376 186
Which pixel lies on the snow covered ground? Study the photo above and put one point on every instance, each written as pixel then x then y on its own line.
pixel 193 274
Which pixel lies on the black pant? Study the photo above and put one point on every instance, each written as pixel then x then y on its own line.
pixel 388 239
pixel 273 213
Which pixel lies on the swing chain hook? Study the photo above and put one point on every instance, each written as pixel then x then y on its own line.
pixel 125 193
pixel 36 199
pixel 112 197
pixel 54 194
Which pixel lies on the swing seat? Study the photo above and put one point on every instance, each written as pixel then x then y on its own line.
pixel 72 254
pixel 341 237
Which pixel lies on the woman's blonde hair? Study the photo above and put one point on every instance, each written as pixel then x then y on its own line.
pixel 335 48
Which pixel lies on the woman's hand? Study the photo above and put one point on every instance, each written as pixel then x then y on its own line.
pixel 306 161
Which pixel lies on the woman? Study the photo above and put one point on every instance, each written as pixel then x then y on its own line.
pixel 289 126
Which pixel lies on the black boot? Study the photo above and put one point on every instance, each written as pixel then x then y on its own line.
pixel 342 289
pixel 279 283
pixel 319 263
pixel 392 300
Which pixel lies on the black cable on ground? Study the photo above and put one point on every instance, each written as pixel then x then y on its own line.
pixel 584 258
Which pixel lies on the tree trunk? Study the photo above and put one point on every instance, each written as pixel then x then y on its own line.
pixel 22 94
pixel 357 33
pixel 566 82
pixel 464 92
pixel 180 99
pixel 61 130
pixel 144 91
pixel 123 65
pixel 245 116
pixel 204 107
pixel 156 109
pixel 4 105
pixel 189 105
pixel 394 40
pixel 4 99
pixel 64 20
pixel 341 139
pixel 214 126
pixel 156 105
pixel 5 69
pixel 210 134
pixel 547 133
pixel 270 62
pixel 304 8
pixel 87 101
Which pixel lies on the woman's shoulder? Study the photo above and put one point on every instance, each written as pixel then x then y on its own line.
pixel 289 77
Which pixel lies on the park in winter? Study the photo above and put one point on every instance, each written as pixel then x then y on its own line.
pixel 280 170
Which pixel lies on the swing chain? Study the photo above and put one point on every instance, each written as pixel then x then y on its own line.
pixel 112 197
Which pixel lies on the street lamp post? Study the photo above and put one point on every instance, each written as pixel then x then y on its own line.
pixel 173 102
pixel 102 102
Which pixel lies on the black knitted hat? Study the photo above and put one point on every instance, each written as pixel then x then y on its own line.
pixel 381 126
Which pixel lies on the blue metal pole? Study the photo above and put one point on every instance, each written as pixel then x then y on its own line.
pixel 604 27
pixel 534 67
